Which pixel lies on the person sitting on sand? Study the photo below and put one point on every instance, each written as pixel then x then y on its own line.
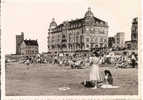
pixel 108 80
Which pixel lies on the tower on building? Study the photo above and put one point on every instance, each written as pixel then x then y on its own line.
pixel 53 24
pixel 19 40
pixel 80 35
pixel 134 33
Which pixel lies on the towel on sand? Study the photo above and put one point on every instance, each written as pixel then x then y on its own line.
pixel 109 86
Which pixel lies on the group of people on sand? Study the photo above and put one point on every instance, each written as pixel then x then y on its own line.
pixel 80 61
pixel 126 60
pixel 34 60
pixel 103 79
pixel 96 77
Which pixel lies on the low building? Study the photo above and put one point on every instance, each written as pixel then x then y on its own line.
pixel 29 47
pixel 120 40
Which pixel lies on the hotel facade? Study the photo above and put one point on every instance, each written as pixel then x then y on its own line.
pixel 80 35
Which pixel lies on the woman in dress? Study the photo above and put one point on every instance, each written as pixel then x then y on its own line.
pixel 95 75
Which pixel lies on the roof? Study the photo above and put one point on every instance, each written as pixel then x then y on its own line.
pixel 31 42
pixel 98 20
pixel 127 41
pixel 53 23
pixel 77 21
pixel 89 13
pixel 83 19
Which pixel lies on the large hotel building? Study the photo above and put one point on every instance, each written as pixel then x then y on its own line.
pixel 80 35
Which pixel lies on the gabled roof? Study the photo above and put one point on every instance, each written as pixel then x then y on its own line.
pixel 31 42
pixel 98 20
pixel 80 23
pixel 77 21
pixel 81 20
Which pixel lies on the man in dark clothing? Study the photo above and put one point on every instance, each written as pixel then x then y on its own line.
pixel 133 60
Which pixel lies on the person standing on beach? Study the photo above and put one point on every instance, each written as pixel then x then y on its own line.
pixel 133 59
pixel 95 75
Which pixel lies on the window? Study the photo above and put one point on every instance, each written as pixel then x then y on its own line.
pixel 101 39
pixel 69 37
pixel 87 39
pixel 134 35
pixel 92 40
pixel 118 41
pixel 92 29
pixel 105 40
pixel 95 40
pixel 87 46
pixel 87 29
pixel 77 37
pixel 102 30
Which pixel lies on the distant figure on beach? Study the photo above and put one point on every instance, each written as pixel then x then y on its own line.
pixel 133 60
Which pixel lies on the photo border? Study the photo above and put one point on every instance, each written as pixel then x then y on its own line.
pixel 89 97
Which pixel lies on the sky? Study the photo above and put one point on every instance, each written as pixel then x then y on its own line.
pixel 34 16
